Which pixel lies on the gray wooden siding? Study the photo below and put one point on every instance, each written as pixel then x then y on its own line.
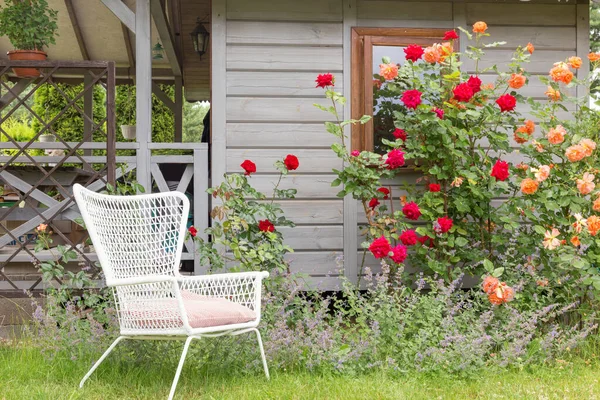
pixel 273 52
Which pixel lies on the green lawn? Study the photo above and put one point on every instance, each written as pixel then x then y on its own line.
pixel 25 374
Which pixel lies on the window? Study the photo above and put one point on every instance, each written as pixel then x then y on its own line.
pixel 369 45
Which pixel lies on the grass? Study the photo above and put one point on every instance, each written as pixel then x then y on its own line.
pixel 26 374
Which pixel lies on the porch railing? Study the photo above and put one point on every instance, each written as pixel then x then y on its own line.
pixel 42 184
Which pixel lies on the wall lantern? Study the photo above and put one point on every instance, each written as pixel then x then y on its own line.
pixel 200 38
pixel 157 51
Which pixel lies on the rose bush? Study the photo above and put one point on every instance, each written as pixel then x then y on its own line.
pixel 497 192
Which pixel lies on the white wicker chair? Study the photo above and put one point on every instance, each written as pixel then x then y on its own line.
pixel 139 240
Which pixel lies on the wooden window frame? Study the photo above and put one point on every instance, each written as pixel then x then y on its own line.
pixel 363 40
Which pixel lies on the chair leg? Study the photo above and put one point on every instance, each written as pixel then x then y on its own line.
pixel 262 353
pixel 106 353
pixel 186 346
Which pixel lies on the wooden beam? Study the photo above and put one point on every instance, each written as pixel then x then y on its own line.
pixel 17 89
pixel 163 97
pixel 178 112
pixel 175 23
pixel 122 12
pixel 164 32
pixel 77 30
pixel 88 109
pixel 129 48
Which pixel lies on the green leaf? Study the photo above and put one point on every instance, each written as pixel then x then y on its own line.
pixel 488 265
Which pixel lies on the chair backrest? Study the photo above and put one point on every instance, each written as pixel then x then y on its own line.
pixel 135 236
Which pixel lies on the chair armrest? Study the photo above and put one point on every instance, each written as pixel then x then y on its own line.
pixel 240 287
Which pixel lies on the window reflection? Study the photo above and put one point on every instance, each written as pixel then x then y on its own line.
pixel 385 96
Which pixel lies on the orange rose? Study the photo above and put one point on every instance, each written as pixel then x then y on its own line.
pixel 487 86
pixel 431 54
pixel 530 48
pixel 480 27
pixel 588 145
pixel 388 71
pixel 502 294
pixel 516 81
pixel 596 205
pixel 575 241
pixel 586 184
pixel 575 153
pixel 593 224
pixel 489 284
pixel 529 186
pixel 593 57
pixel 561 73
pixel 542 173
pixel 446 49
pixel 523 167
pixel 574 62
pixel 557 135
pixel 552 94
pixel 523 132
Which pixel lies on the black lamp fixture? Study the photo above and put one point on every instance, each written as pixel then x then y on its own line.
pixel 200 38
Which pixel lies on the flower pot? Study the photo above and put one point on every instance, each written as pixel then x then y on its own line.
pixel 27 55
pixel 47 137
pixel 128 131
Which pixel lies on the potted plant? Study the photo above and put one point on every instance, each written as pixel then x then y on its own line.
pixel 30 26
pixel 128 131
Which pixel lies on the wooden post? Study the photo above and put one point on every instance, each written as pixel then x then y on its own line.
pixel 350 205
pixel 88 110
pixel 143 101
pixel 200 201
pixel 178 112
pixel 111 135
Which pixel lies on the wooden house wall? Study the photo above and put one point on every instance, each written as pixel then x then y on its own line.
pixel 263 79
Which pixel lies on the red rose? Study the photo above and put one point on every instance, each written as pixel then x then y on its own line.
pixel 385 191
pixel 413 52
pixel 399 134
pixel 443 225
pixel 398 254
pixel 325 80
pixel 408 238
pixel 266 226
pixel 395 159
pixel 463 92
pixel 248 166
pixel 434 187
pixel 450 35
pixel 355 153
pixel 193 231
pixel 291 162
pixel 411 98
pixel 424 239
pixel 506 102
pixel 439 112
pixel 380 247
pixel 373 203
pixel 500 170
pixel 474 83
pixel 411 211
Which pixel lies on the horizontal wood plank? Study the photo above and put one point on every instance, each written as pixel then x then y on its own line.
pixel 313 212
pixel 311 160
pixel 313 237
pixel 285 10
pixel 308 186
pixel 547 38
pixel 285 33
pixel 540 63
pixel 285 58
pixel 522 14
pixel 382 9
pixel 265 135
pixel 242 109
pixel 264 83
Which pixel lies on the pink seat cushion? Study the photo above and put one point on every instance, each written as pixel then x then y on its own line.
pixel 202 312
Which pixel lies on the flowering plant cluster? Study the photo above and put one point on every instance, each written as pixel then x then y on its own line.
pixel 502 185
pixel 245 229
